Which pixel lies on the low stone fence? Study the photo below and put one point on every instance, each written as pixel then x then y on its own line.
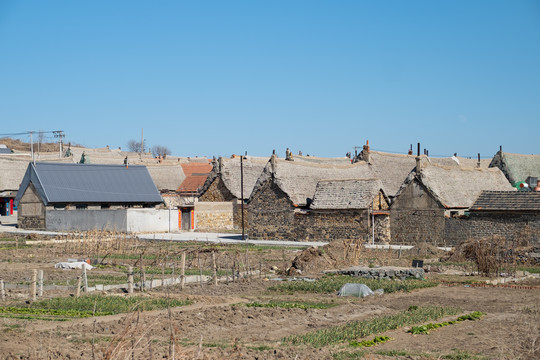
pixel 385 272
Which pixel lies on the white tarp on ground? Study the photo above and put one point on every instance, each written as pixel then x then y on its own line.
pixel 73 265
pixel 358 290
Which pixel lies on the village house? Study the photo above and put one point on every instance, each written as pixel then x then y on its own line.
pixel 430 202
pixel 219 206
pixel 190 190
pixel 519 169
pixel 167 179
pixel 353 208
pixel 393 169
pixel 11 173
pixel 59 196
pixel 514 215
pixel 279 207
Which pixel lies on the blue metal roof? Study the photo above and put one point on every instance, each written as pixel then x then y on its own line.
pixel 90 183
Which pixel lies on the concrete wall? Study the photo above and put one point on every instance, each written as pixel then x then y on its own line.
pixel 213 216
pixel 124 220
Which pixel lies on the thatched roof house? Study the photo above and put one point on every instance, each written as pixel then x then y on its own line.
pixel 434 193
pixel 459 187
pixel 393 169
pixel 517 167
pixel 166 177
pixel 223 183
pixel 298 179
pixel 300 200
pixel 343 194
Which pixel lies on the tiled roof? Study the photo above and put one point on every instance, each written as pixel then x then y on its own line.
pixel 507 201
pixel 196 175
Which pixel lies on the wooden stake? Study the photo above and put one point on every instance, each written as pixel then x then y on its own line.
pixel 78 289
pixel 130 279
pixel 215 267
pixel 183 271
pixel 40 278
pixel 34 282
pixel 85 279
pixel 200 269
pixel 2 290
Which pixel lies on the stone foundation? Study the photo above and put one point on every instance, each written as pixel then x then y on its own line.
pixel 386 272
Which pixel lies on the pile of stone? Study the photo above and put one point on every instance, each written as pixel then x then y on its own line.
pixel 385 272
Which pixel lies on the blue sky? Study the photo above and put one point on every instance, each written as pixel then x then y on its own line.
pixel 221 77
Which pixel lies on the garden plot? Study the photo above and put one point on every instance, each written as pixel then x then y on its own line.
pixel 254 317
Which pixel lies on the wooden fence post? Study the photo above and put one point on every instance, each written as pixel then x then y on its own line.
pixel 2 290
pixel 40 278
pixel 215 267
pixel 85 280
pixel 78 289
pixel 130 279
pixel 183 271
pixel 200 269
pixel 33 286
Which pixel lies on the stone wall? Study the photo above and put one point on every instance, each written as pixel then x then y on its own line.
pixel 524 226
pixel 271 214
pixel 217 192
pixel 31 211
pixel 237 215
pixel 414 226
pixel 213 216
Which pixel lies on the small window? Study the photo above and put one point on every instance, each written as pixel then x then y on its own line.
pixel 81 207
pixel 105 206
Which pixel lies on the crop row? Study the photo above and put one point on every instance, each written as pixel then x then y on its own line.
pixel 358 329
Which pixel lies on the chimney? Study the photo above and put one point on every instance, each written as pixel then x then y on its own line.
pixel 478 163
pixel 220 164
pixel 418 161
pixel 410 152
pixel 273 163
pixel 365 152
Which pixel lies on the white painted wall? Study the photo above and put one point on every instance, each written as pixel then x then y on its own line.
pixel 124 220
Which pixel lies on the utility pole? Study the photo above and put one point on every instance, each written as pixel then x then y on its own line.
pixel 242 191
pixel 60 135
pixel 142 140
pixel 32 147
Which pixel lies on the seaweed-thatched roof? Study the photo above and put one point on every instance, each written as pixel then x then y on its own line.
pixel 459 187
pixel 229 172
pixel 298 179
pixel 345 194
pixel 167 177
pixel 393 169
pixel 507 201
pixel 517 167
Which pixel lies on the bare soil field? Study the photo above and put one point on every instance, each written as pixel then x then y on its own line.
pixel 216 323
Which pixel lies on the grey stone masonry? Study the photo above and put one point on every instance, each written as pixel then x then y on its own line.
pixel 385 272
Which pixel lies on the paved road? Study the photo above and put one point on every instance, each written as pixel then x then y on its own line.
pixel 216 238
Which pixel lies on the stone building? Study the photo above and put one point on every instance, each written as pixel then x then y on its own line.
pixel 513 215
pixel 57 196
pixel 223 186
pixel 279 207
pixel 349 209
pixel 433 193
